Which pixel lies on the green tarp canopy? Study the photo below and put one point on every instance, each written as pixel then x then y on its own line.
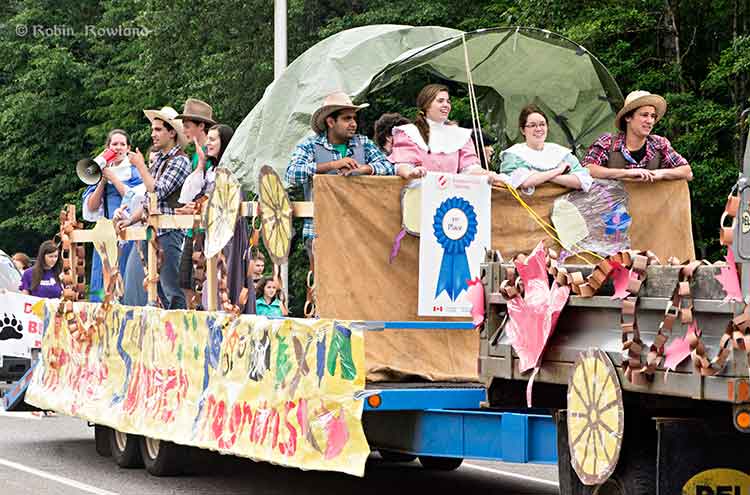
pixel 510 67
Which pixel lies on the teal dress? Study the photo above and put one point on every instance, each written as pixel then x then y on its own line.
pixel 262 308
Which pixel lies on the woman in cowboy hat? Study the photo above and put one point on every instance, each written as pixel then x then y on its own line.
pixel 634 153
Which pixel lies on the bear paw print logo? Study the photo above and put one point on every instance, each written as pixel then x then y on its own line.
pixel 10 328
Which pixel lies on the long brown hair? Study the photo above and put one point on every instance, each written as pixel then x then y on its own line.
pixel 225 135
pixel 37 271
pixel 260 291
pixel 424 100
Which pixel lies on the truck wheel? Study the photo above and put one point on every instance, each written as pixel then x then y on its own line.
pixel 125 450
pixel 103 439
pixel 440 463
pixel 161 458
pixel 393 456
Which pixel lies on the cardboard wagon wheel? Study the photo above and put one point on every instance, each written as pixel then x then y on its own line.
pixel 223 210
pixel 275 211
pixel 596 417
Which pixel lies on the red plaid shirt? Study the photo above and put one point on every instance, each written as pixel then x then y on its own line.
pixel 598 153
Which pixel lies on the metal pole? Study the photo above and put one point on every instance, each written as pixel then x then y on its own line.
pixel 279 38
pixel 744 198
pixel 279 64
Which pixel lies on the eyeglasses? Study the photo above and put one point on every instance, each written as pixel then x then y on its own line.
pixel 534 125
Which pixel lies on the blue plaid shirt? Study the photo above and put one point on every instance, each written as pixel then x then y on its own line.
pixel 302 166
pixel 169 172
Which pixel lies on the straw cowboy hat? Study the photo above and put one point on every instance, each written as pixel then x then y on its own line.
pixel 332 103
pixel 637 99
pixel 168 115
pixel 197 111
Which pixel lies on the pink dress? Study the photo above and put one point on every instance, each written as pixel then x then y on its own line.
pixel 451 148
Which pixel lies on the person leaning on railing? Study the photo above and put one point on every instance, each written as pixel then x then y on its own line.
pixel 433 143
pixel 535 161
pixel 634 154
pixel 336 148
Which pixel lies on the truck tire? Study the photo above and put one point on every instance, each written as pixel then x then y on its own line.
pixel 440 463
pixel 161 458
pixel 393 456
pixel 125 450
pixel 103 439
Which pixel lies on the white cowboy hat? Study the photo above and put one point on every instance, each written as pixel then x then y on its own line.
pixel 169 115
pixel 332 103
pixel 637 99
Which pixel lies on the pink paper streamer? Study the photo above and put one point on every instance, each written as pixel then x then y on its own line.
pixel 533 317
pixel 678 349
pixel 475 294
pixel 620 278
pixel 530 386
pixel 729 279
pixel 396 245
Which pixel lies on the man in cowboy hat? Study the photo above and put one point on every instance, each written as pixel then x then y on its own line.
pixel 165 178
pixel 197 119
pixel 334 149
pixel 634 153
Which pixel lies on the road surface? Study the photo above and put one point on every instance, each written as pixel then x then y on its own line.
pixel 55 455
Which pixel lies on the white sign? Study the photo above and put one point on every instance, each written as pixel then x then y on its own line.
pixel 455 231
pixel 20 329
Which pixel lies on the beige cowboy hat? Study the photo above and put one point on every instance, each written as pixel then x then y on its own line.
pixel 332 103
pixel 169 115
pixel 637 99
pixel 197 111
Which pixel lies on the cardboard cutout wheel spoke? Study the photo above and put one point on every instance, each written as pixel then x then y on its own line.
pixel 223 210
pixel 275 211
pixel 595 417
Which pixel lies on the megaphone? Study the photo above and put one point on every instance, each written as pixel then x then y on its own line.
pixel 88 171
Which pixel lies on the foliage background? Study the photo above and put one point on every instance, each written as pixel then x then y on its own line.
pixel 62 90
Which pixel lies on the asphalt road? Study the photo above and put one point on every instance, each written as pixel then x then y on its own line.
pixel 56 455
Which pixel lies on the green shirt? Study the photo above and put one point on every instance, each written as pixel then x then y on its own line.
pixel 341 148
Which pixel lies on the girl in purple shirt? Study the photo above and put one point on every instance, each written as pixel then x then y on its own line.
pixel 43 279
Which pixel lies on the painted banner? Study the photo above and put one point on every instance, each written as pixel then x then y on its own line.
pixel 454 234
pixel 279 390
pixel 20 328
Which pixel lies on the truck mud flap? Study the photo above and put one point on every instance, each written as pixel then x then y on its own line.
pixel 698 457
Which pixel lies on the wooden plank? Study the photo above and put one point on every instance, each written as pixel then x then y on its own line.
pixel 300 209
pixel 176 221
pixel 211 283
pixel 152 286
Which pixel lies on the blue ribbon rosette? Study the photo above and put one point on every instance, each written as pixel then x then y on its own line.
pixel 454 236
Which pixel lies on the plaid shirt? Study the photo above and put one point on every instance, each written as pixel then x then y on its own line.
pixel 598 153
pixel 176 167
pixel 302 166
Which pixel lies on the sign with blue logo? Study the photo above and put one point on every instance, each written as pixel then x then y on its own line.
pixel 455 232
